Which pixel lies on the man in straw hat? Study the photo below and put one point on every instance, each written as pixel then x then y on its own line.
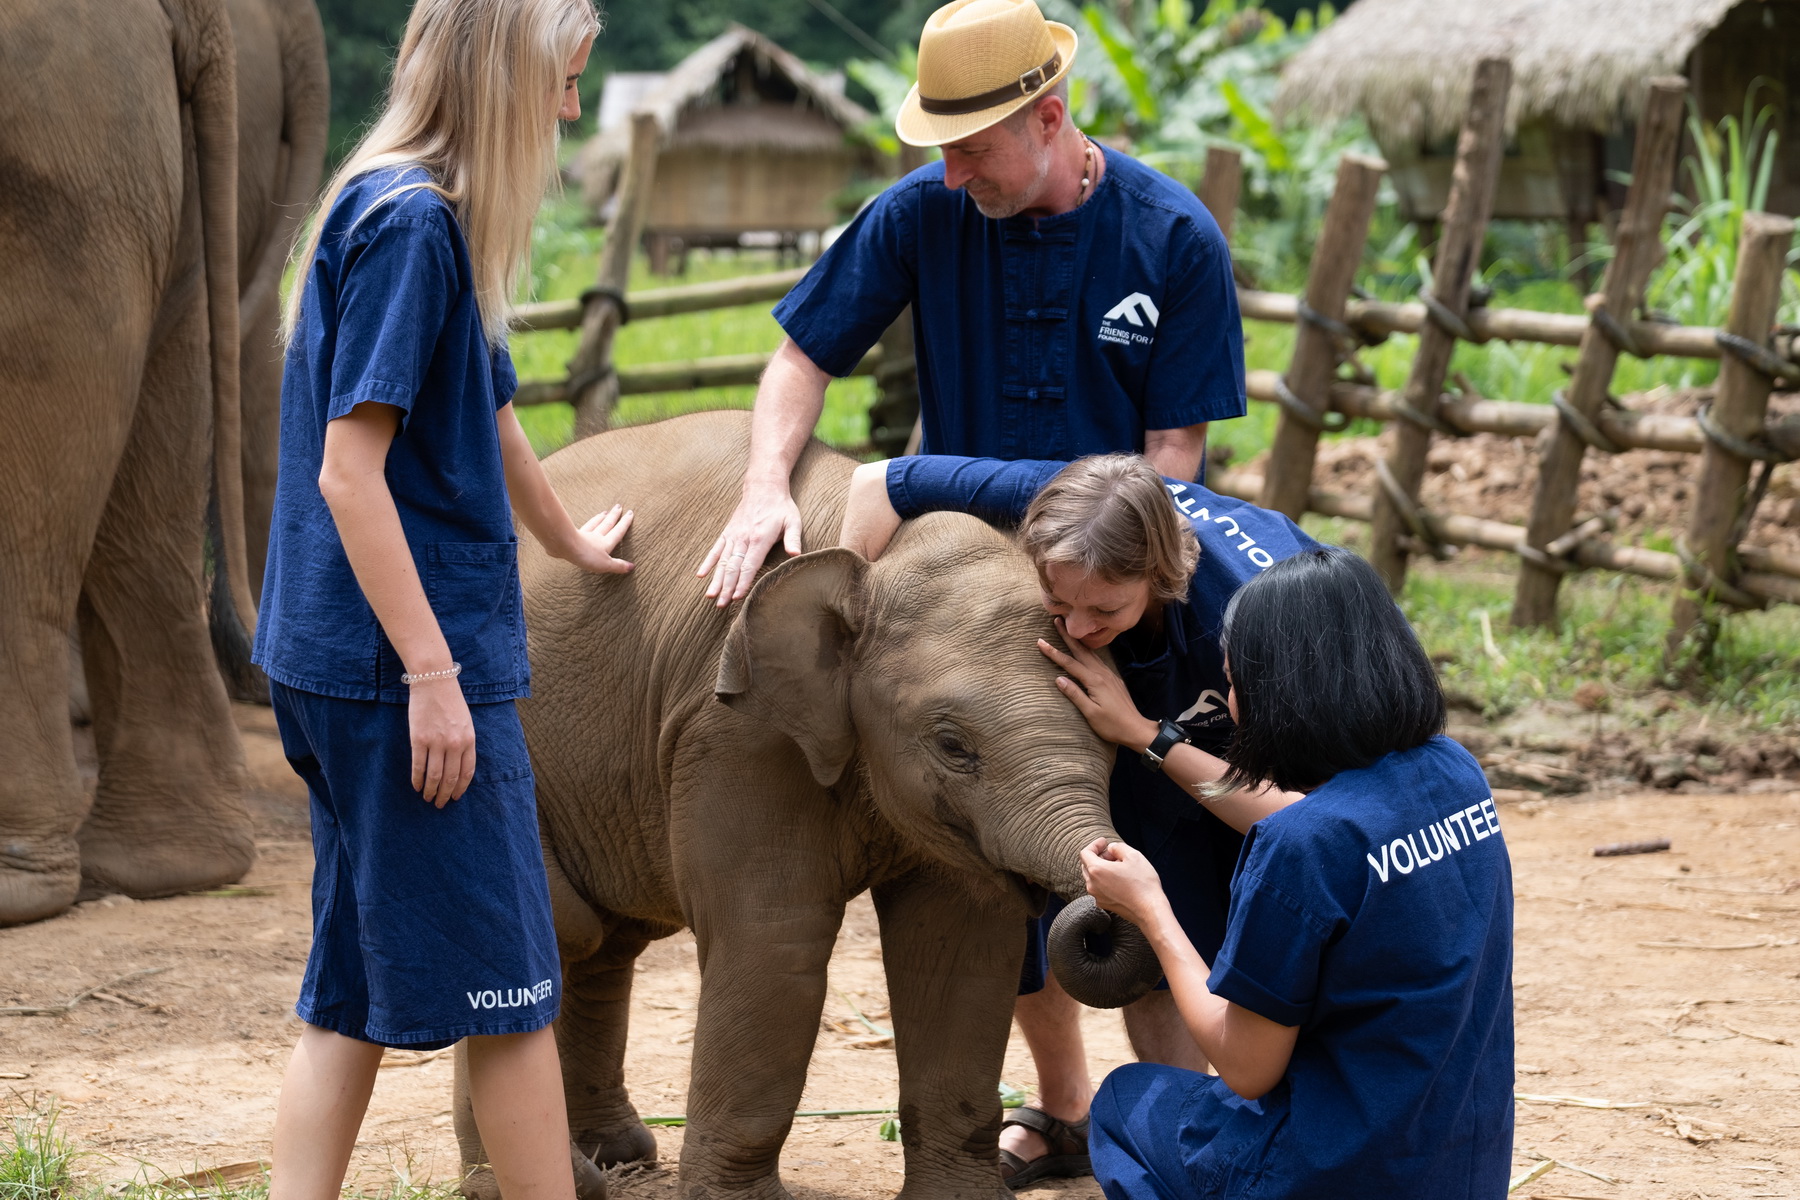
pixel 1066 300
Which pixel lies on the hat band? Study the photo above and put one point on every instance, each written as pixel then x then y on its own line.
pixel 1031 81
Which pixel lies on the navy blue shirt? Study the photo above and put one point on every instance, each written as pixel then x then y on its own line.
pixel 389 316
pixel 1049 338
pixel 1172 668
pixel 1376 915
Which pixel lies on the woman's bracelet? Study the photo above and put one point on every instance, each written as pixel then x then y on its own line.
pixel 449 672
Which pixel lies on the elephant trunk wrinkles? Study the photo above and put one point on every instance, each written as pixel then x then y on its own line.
pixel 1043 840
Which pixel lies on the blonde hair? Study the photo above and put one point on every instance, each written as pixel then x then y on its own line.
pixel 470 102
pixel 1110 515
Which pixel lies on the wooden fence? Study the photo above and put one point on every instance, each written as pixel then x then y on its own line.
pixel 1324 387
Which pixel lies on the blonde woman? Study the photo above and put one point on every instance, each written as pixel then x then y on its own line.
pixel 392 625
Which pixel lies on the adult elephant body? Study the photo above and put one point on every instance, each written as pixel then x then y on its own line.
pixel 118 399
pixel 888 727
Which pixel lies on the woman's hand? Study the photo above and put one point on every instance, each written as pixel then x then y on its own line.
pixel 1096 689
pixel 443 739
pixel 1122 881
pixel 591 548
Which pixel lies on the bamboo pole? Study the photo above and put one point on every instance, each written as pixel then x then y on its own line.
pixel 1378 317
pixel 1472 184
pixel 1456 529
pixel 594 387
pixel 1742 400
pixel 1220 186
pixel 664 302
pixel 725 370
pixel 1336 256
pixel 1638 249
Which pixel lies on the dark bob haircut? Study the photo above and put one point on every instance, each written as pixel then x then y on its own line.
pixel 1329 675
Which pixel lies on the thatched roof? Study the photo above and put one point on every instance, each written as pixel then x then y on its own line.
pixel 691 104
pixel 1406 65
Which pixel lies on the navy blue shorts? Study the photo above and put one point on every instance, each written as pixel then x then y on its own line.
pixel 429 925
pixel 1196 858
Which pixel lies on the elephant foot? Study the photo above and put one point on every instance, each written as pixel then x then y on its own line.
pixel 769 1187
pixel 39 877
pixel 590 1182
pixel 629 1144
pixel 946 1190
pixel 166 862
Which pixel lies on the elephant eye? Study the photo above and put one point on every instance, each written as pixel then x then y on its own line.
pixel 955 747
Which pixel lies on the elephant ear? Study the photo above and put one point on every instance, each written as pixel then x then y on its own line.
pixel 787 658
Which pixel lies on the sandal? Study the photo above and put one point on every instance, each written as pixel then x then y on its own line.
pixel 1067 1157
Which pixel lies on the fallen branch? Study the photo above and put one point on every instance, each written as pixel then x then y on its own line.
pixel 1761 1037
pixel 1535 1173
pixel 1616 849
pixel 411 1058
pixel 1591 1174
pixel 1578 1101
pixel 1764 944
pixel 67 1006
pixel 823 1112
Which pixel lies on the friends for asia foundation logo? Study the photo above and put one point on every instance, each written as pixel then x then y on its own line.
pixel 511 997
pixel 1135 310
pixel 1445 836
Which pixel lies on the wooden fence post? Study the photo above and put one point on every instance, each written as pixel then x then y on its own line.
pixel 1220 186
pixel 1637 250
pixel 593 385
pixel 1742 399
pixel 896 407
pixel 1395 509
pixel 1336 255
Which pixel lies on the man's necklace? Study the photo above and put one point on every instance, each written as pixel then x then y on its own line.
pixel 1087 170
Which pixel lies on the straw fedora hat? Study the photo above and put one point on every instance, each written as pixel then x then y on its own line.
pixel 980 61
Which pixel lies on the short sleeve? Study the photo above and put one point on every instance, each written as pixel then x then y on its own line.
pixel 392 303
pixel 997 491
pixel 858 286
pixel 1270 961
pixel 506 377
pixel 1197 367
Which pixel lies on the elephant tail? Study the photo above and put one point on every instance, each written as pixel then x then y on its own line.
pixel 206 61
pixel 305 122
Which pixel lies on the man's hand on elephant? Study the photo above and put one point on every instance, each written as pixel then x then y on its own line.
pixel 1096 689
pixel 443 739
pixel 594 543
pixel 763 517
pixel 1121 880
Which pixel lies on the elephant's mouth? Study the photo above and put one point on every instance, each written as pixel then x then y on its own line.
pixel 1035 897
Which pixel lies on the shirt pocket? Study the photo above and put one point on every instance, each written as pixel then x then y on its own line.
pixel 473 588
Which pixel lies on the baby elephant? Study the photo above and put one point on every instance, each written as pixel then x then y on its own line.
pixel 887 726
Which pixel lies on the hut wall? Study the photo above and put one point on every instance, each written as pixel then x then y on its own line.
pixel 1547 174
pixel 1756 41
pixel 701 189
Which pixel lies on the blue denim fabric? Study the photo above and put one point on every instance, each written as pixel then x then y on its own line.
pixel 1048 338
pixel 389 316
pixel 429 924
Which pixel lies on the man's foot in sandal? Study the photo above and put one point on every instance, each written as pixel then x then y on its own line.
pixel 1062 1148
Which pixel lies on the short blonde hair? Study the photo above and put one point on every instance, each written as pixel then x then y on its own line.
pixel 1110 515
pixel 473 100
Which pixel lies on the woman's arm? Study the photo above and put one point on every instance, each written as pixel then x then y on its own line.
pixel 354 483
pixel 589 547
pixel 1096 689
pixel 1249 1051
pixel 870 518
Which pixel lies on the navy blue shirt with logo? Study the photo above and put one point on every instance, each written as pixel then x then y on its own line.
pixel 1173 668
pixel 1037 338
pixel 1376 915
pixel 389 315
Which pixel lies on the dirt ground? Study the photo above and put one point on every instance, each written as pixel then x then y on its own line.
pixel 1658 1002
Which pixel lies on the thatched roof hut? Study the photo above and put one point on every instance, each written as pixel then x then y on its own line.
pixel 1579 74
pixel 752 141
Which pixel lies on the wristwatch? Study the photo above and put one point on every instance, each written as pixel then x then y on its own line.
pixel 1168 736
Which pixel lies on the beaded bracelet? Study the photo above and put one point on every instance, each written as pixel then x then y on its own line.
pixel 449 672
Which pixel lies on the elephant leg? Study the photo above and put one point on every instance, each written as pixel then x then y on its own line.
pixel 591 1035
pixel 760 871
pixel 952 969
pixel 169 811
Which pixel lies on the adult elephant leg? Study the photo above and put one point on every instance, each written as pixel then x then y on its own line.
pixel 169 811
pixel 952 969
pixel 760 870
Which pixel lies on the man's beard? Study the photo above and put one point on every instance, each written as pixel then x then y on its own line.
pixel 996 205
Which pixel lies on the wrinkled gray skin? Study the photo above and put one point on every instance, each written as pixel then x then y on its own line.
pixel 887 727
pixel 119 421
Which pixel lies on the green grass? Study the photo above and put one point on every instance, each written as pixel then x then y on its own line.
pixel 36 1161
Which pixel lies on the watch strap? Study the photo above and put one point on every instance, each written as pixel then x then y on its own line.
pixel 1168 736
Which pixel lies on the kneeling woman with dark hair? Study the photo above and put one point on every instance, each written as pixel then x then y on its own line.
pixel 1359 1012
